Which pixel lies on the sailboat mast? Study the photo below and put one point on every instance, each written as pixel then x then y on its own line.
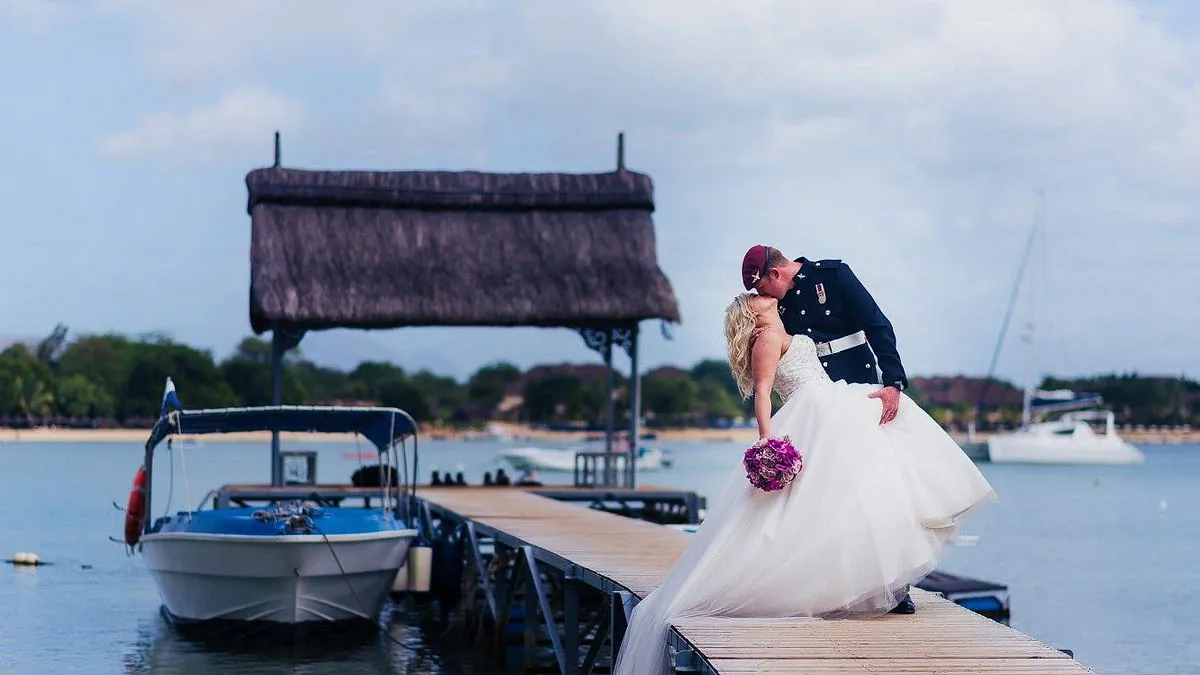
pixel 1039 236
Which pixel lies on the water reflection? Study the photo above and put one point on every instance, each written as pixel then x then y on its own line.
pixel 401 646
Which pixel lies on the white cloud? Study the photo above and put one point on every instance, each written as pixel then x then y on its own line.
pixel 36 14
pixel 906 136
pixel 240 122
pixel 204 40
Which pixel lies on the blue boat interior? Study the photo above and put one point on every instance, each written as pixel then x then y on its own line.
pixel 296 508
pixel 282 519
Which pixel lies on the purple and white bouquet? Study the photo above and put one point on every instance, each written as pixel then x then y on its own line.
pixel 772 463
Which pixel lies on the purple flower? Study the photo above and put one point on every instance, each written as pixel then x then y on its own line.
pixel 772 463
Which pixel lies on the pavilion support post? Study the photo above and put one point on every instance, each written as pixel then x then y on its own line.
pixel 277 348
pixel 635 409
pixel 610 465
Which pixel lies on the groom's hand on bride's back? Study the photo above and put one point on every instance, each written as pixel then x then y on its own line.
pixel 890 397
pixel 755 333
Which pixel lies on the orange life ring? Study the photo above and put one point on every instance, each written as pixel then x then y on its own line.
pixel 135 510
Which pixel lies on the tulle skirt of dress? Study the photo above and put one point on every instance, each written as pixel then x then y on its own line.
pixel 864 519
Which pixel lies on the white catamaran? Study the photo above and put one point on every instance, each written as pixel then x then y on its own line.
pixel 1069 438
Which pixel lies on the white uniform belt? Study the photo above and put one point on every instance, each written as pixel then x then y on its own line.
pixel 841 344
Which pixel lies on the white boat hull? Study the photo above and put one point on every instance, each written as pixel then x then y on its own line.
pixel 290 579
pixel 545 459
pixel 1032 448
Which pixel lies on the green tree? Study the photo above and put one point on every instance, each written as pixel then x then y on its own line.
pixel 102 359
pixel 251 382
pixel 26 383
pixel 256 350
pixel 402 394
pixel 486 387
pixel 716 402
pixel 671 399
pixel 200 383
pixel 78 396
pixel 716 370
pixel 554 397
pixel 328 385
pixel 373 375
pixel 248 372
pixel 443 394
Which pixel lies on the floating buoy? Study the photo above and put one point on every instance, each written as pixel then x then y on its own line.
pixel 25 559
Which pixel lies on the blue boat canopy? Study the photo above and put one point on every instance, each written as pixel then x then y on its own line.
pixel 381 426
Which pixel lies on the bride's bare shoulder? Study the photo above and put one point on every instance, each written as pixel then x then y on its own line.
pixel 769 344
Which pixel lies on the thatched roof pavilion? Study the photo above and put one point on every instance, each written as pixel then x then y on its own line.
pixel 365 249
pixel 388 249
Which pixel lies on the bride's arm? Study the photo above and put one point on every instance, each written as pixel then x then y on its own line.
pixel 764 359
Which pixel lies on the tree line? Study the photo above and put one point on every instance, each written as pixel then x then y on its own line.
pixel 115 380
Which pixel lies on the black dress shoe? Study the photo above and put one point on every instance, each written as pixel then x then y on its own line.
pixel 905 606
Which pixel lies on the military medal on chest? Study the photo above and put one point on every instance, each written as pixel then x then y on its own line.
pixel 821 293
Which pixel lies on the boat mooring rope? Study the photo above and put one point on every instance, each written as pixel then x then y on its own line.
pixel 362 605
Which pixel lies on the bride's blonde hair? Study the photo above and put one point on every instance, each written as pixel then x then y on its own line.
pixel 739 323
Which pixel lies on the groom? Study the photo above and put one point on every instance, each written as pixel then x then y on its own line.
pixel 824 300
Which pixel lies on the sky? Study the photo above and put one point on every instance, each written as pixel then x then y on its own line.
pixel 908 138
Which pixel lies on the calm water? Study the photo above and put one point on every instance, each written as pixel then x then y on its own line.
pixel 1093 561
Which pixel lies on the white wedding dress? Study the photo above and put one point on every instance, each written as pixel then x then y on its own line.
pixel 865 518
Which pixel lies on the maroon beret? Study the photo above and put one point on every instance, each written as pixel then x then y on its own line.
pixel 754 265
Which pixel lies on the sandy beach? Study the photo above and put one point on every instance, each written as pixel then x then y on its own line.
pixel 511 431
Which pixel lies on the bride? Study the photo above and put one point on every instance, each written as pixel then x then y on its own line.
pixel 863 521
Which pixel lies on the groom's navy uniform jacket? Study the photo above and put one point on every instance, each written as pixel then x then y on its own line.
pixel 828 302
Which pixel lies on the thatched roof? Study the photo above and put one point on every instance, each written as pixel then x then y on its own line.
pixel 360 249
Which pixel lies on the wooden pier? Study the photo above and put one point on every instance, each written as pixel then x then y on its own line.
pixel 571 576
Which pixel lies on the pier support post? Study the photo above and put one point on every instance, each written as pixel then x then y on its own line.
pixel 530 617
pixel 621 606
pixel 276 399
pixel 282 339
pixel 570 624
pixel 610 468
pixel 481 572
pixel 535 599
pixel 604 617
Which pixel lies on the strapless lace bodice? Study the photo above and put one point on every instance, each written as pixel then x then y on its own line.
pixel 798 366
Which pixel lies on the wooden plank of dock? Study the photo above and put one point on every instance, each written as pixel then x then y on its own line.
pixel 940 639
pixel 632 553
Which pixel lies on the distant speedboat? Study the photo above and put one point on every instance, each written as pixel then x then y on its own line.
pixel 301 558
pixel 563 459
